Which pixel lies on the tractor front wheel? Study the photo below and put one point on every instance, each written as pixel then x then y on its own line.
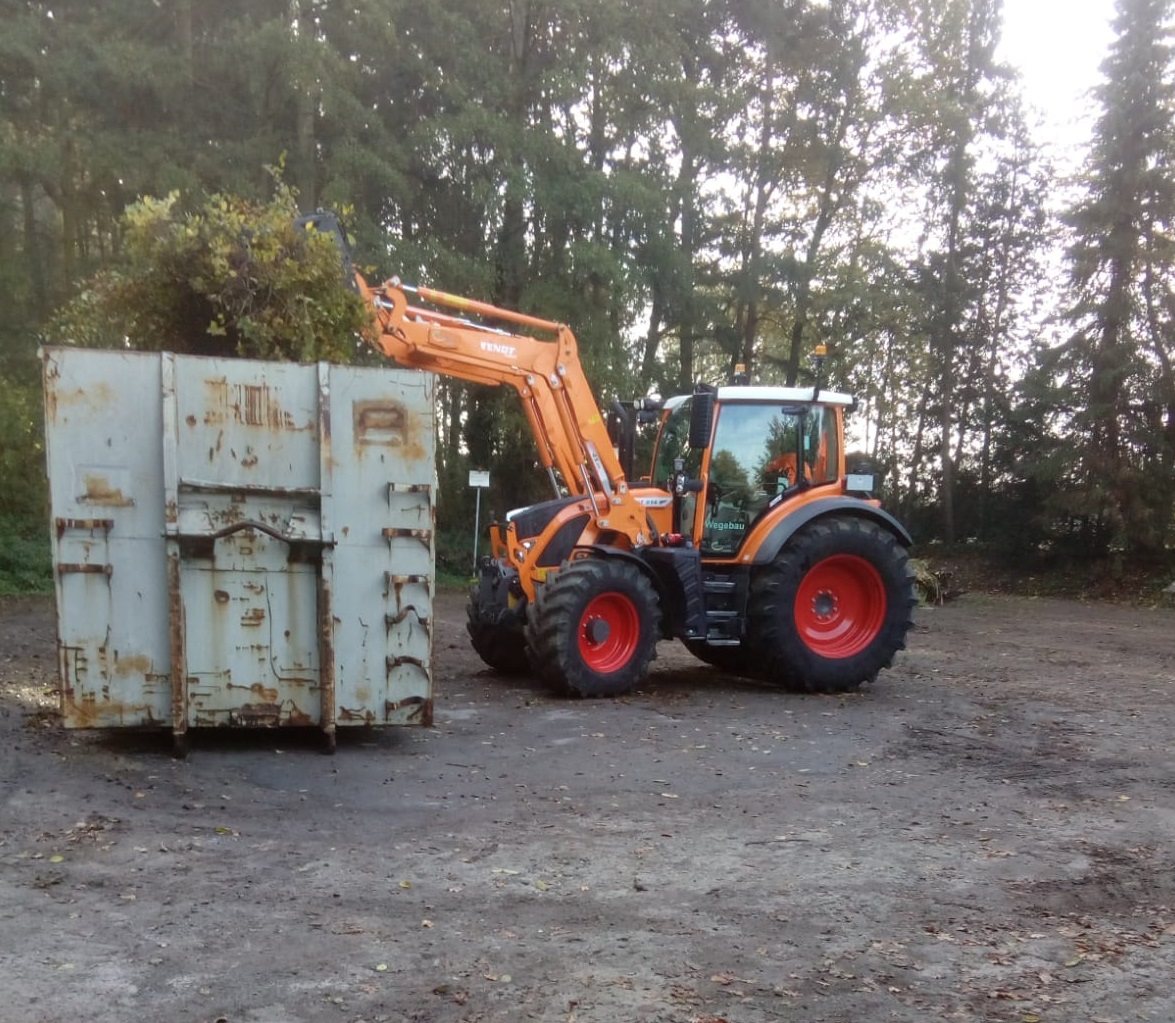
pixel 593 627
pixel 496 634
pixel 833 608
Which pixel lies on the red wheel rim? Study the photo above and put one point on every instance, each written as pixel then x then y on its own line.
pixel 840 606
pixel 609 632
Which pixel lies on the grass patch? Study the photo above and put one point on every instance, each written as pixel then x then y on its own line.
pixel 26 562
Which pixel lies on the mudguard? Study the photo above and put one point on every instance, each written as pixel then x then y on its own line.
pixel 819 509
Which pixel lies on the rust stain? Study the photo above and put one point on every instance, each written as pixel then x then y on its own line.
pixel 221 596
pixel 298 718
pixel 96 395
pixel 84 569
pixel 253 617
pixel 326 652
pixel 177 645
pixel 133 664
pixel 89 712
pixel 267 714
pixel 190 419
pixel 363 714
pixel 85 524
pixel 384 424
pixel 250 459
pixel 257 406
pixel 216 408
pixel 411 710
pixel 98 490
pixel 256 714
pixel 265 693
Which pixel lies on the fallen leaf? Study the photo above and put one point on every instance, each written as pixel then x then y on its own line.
pixel 425 923
pixel 405 884
pixel 57 859
pixel 381 967
pixel 542 886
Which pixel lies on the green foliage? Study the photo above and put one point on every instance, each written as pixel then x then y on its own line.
pixel 25 560
pixel 23 494
pixel 1114 372
pixel 718 182
pixel 232 276
pixel 454 558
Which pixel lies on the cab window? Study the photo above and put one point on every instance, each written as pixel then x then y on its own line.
pixel 759 453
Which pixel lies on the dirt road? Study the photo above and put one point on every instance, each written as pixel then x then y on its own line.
pixel 986 833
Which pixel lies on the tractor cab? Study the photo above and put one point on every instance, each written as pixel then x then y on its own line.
pixel 743 452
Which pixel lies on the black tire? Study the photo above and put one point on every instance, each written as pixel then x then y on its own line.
pixel 498 639
pixel 833 608
pixel 735 660
pixel 593 627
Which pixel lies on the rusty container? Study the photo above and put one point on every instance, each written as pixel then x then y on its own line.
pixel 240 543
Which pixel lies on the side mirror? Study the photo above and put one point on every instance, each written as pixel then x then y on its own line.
pixel 701 418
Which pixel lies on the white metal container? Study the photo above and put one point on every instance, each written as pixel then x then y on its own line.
pixel 240 543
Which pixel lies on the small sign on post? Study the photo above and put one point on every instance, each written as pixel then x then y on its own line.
pixel 479 479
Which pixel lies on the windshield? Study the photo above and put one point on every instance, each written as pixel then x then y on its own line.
pixel 761 452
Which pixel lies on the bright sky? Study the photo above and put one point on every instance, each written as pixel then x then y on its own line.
pixel 1058 46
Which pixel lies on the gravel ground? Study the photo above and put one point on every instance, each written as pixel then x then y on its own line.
pixel 985 833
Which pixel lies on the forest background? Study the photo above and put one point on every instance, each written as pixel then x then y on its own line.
pixel 690 184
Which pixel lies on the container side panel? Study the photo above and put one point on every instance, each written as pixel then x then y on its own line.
pixel 103 423
pixel 253 611
pixel 246 423
pixel 383 483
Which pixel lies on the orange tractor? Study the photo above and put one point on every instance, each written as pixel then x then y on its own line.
pixel 745 537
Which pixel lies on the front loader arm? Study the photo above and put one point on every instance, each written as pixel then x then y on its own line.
pixel 548 376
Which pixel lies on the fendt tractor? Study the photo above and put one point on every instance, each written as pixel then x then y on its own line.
pixel 745 537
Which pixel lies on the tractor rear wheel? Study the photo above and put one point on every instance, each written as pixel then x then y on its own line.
pixel 593 627
pixel 497 636
pixel 833 608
